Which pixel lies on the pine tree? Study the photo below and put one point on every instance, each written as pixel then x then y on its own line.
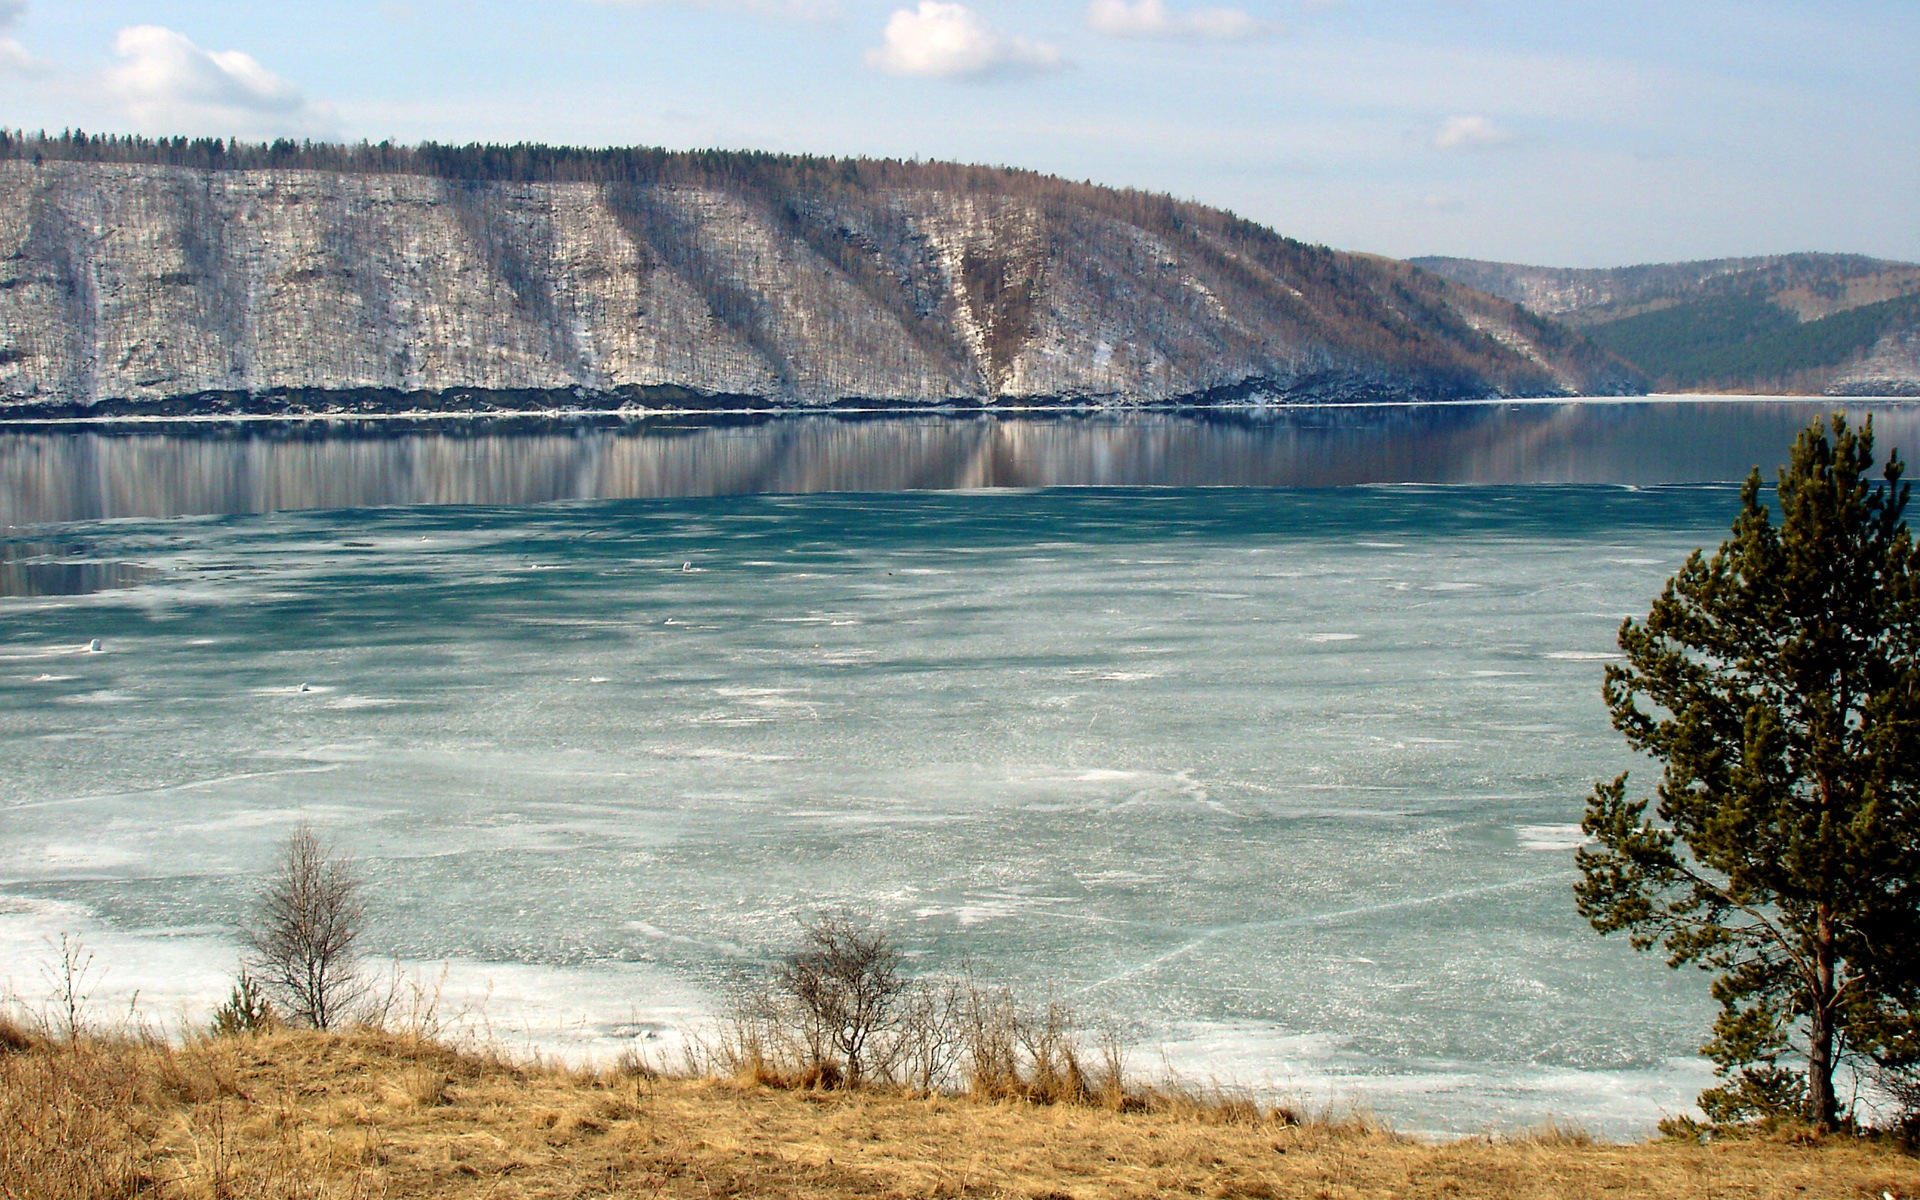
pixel 1781 680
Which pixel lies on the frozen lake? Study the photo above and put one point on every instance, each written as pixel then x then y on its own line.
pixel 1287 778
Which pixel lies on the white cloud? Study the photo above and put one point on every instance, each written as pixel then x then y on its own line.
pixel 14 59
pixel 169 85
pixel 1150 19
pixel 951 41
pixel 1470 133
pixel 798 10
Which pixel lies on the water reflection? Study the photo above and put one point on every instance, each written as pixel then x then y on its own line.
pixel 54 473
pixel 50 569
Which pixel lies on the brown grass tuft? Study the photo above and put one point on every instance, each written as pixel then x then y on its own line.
pixel 15 1038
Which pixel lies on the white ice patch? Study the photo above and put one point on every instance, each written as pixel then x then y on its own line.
pixel 171 980
pixel 1551 837
pixel 17 652
pixel 719 753
pixel 1333 637
pixel 271 818
pixel 727 719
pixel 176 979
pixel 980 909
pixel 1442 1099
pixel 1119 877
pixel 71 858
pixel 1582 656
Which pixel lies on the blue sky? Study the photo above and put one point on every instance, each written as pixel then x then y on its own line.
pixel 1569 133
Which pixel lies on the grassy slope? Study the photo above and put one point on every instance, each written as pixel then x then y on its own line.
pixel 318 1117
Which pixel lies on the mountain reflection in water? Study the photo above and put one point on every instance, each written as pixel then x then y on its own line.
pixel 84 472
pixel 42 569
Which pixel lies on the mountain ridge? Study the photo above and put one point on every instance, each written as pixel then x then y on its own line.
pixel 1843 324
pixel 140 275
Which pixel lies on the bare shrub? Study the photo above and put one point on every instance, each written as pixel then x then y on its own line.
pixel 928 1043
pixel 1054 1054
pixel 762 1040
pixel 844 984
pixel 72 978
pixel 1034 1054
pixel 310 918
pixel 1894 1088
pixel 991 1037
pixel 841 1012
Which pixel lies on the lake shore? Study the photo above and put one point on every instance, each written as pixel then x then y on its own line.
pixel 371 1113
pixel 29 417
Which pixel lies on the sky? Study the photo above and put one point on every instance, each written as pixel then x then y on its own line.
pixel 1560 132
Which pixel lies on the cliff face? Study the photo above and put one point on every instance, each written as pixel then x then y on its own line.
pixel 137 287
pixel 1842 324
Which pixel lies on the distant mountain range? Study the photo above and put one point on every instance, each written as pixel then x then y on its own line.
pixel 142 276
pixel 1841 324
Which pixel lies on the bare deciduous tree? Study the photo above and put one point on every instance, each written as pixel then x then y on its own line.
pixel 308 923
pixel 846 980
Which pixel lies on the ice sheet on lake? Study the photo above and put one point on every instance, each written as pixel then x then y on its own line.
pixel 1343 807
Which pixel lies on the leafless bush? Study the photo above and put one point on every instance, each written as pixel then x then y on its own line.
pixel 841 1012
pixel 408 1005
pixel 991 1037
pixel 308 924
pixel 844 984
pixel 928 1044
pixel 1895 1091
pixel 72 978
pixel 1031 1054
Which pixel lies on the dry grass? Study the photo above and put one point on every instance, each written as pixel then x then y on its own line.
pixel 344 1117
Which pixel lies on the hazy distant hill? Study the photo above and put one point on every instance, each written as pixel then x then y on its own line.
pixel 195 276
pixel 1838 323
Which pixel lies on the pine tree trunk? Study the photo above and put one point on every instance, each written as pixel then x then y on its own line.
pixel 1823 1107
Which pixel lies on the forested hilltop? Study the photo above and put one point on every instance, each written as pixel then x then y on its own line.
pixel 179 275
pixel 1843 324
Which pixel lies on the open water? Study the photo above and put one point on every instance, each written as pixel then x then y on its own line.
pixel 1286 778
